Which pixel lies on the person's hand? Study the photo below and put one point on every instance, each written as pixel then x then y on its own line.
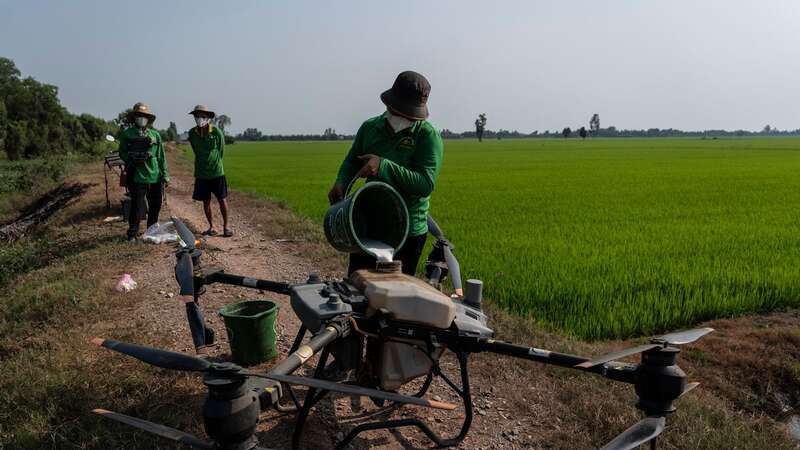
pixel 371 166
pixel 166 184
pixel 336 193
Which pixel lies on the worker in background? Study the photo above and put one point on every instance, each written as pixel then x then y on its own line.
pixel 142 150
pixel 401 148
pixel 208 145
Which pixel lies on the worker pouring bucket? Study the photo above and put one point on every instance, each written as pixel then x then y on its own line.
pixel 373 220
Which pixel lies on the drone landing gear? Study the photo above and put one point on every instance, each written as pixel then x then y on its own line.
pixel 463 392
pixel 313 396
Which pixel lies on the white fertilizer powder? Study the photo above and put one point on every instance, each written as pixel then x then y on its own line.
pixel 380 250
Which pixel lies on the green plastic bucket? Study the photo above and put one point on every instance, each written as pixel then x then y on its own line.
pixel 376 212
pixel 251 330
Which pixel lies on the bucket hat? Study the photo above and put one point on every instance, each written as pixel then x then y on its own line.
pixel 408 95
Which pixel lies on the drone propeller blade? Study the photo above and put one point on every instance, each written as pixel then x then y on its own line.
pixel 683 337
pixel 615 356
pixel 160 430
pixel 643 431
pixel 156 357
pixel 452 265
pixel 688 388
pixel 434 229
pixel 183 231
pixel 357 390
pixel 678 338
pixel 184 273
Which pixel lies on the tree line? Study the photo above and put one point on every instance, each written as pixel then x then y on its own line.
pixel 330 134
pixel 34 124
pixel 253 134
pixel 613 132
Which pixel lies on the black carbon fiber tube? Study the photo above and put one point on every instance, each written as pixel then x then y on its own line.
pixel 530 353
pixel 306 351
pixel 238 280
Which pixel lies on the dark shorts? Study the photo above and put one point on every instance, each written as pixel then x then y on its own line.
pixel 204 188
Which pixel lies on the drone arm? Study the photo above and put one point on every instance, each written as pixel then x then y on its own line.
pixel 625 373
pixel 238 280
pixel 529 353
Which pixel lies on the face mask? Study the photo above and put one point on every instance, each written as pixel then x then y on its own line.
pixel 398 123
pixel 141 122
pixel 201 121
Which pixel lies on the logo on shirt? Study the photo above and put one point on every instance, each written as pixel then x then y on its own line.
pixel 407 143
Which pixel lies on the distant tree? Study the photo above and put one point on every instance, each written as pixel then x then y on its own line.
pixel 3 123
pixel 449 134
pixel 480 126
pixel 566 132
pixel 330 134
pixel 16 139
pixel 582 132
pixel 251 134
pixel 172 132
pixel 594 124
pixel 123 120
pixel 222 121
pixel 33 123
pixel 96 128
pixel 767 129
pixel 8 72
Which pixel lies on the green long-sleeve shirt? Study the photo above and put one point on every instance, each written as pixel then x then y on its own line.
pixel 208 149
pixel 154 169
pixel 410 162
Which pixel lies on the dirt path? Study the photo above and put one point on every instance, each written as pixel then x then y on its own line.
pixel 518 404
pixel 249 252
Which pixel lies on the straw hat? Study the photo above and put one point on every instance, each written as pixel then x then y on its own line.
pixel 141 109
pixel 203 109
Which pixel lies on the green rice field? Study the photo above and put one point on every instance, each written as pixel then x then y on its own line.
pixel 598 238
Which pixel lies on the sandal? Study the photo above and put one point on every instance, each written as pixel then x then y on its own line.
pixel 210 232
pixel 227 233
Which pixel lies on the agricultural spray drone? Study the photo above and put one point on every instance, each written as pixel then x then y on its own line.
pixel 388 329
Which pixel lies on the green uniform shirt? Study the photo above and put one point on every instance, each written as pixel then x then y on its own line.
pixel 208 151
pixel 154 169
pixel 410 162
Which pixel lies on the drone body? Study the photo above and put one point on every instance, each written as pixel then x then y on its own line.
pixel 385 329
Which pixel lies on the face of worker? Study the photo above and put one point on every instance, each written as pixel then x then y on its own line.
pixel 397 122
pixel 141 121
pixel 202 120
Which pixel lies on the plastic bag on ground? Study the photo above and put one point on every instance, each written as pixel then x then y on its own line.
pixel 125 284
pixel 161 232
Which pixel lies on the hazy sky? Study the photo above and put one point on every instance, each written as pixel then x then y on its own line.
pixel 302 66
